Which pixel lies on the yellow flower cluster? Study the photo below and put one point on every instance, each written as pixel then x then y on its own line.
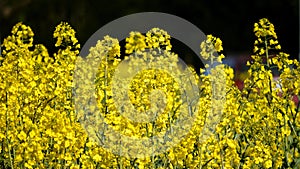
pixel 135 42
pixel 158 38
pixel 209 47
pixel 43 126
pixel 65 35
pixel 155 39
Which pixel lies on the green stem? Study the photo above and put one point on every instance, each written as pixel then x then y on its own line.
pixel 200 153
pixel 8 144
pixel 153 134
pixel 267 53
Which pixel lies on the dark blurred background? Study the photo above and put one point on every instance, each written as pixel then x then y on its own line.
pixel 232 20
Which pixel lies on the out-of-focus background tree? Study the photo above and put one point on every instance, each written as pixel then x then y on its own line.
pixel 230 20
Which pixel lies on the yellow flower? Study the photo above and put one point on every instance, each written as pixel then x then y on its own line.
pixel 135 42
pixel 268 164
pixel 22 136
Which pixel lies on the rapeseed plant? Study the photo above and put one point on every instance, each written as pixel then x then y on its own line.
pixel 42 127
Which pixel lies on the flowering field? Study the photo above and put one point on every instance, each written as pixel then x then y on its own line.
pixel 41 127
